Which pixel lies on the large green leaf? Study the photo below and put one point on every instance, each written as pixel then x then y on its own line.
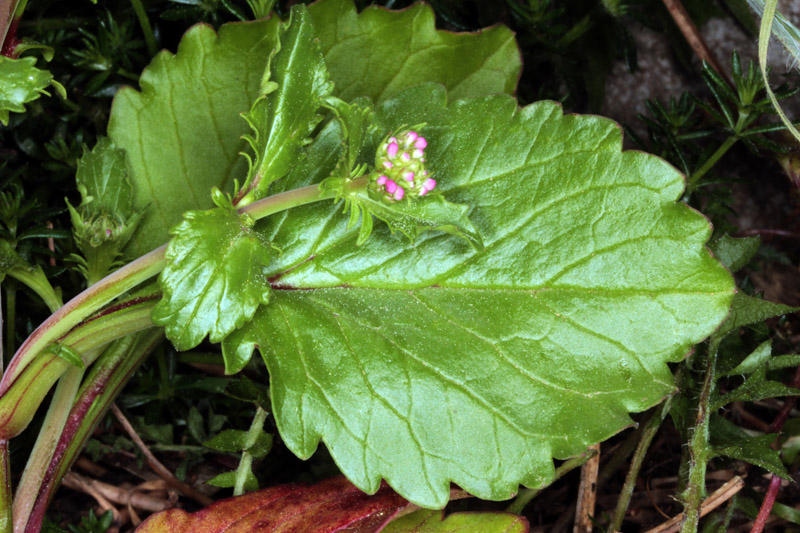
pixel 182 132
pixel 434 362
pixel 378 52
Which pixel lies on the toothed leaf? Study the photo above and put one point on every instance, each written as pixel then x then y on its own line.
pixel 214 279
pixel 432 362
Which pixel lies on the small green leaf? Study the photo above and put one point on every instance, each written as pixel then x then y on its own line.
pixel 20 82
pixel 747 310
pixel 214 279
pixel 228 479
pixel 426 521
pixel 102 179
pixel 757 359
pixel 104 222
pixel 230 440
pixel 357 122
pixel 405 49
pixel 262 446
pixel 735 253
pixel 66 353
pixel 246 390
pixel 730 440
pixel 283 119
pixel 10 260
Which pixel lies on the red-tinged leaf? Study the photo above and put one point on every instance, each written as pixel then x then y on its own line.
pixel 333 505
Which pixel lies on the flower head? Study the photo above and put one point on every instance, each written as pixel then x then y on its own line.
pixel 400 167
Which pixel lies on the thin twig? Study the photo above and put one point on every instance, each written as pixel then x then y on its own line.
pixel 587 492
pixel 156 465
pixel 717 498
pixel 111 493
pixel 693 36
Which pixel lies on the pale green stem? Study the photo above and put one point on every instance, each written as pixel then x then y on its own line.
pixel 38 283
pixel 5 474
pixel 770 7
pixel 46 441
pixel 649 432
pixel 246 462
pixel 710 162
pixel 144 22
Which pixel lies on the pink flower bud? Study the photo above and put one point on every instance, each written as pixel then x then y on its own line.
pixel 421 143
pixel 382 180
pixel 417 153
pixel 429 184
pixel 423 191
pixel 411 136
pixel 408 176
pixel 391 150
pixel 405 157
pixel 391 186
pixel 387 164
pixel 399 193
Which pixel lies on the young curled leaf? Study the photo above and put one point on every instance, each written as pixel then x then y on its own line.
pixel 282 118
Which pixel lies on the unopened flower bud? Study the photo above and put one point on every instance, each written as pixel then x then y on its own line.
pixel 400 164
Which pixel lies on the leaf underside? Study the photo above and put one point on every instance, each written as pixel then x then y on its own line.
pixel 433 362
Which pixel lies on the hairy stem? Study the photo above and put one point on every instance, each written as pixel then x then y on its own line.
pixel 699 449
pixel 246 462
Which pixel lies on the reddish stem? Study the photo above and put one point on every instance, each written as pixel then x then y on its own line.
pixel 766 507
pixel 11 42
pixel 775 481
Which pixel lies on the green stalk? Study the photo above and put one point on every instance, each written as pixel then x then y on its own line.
pixel 770 8
pixel 134 273
pixel 246 462
pixel 105 380
pixel 710 162
pixel 20 402
pixel 648 433
pixel 144 22
pixel 11 310
pixel 699 448
pixel 46 440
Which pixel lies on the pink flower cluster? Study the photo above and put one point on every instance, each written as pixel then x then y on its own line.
pixel 400 167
